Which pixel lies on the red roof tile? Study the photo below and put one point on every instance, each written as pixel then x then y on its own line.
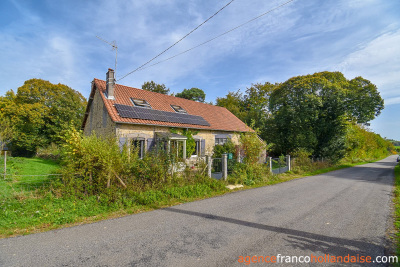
pixel 219 118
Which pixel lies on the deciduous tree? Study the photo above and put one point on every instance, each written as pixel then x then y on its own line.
pixel 311 111
pixel 40 111
pixel 155 87
pixel 194 94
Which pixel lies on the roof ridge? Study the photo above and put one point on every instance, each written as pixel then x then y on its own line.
pixel 164 95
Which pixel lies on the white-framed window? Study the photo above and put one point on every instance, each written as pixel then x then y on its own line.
pixel 197 150
pixel 220 141
pixel 140 103
pixel 178 109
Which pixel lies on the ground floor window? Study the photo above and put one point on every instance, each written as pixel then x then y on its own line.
pixel 197 150
pixel 220 141
pixel 137 146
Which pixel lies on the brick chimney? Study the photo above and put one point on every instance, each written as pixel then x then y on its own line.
pixel 110 81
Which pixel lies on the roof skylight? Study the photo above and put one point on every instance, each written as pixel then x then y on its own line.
pixel 178 109
pixel 140 103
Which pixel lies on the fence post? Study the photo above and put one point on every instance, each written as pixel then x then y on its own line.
pixel 225 166
pixel 209 165
pixel 270 164
pixel 5 164
pixel 288 161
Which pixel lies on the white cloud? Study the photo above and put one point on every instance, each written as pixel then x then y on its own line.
pixel 379 62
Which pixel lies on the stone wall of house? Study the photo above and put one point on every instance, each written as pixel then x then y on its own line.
pixel 147 131
pixel 99 121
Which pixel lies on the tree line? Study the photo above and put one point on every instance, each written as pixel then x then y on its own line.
pixel 314 113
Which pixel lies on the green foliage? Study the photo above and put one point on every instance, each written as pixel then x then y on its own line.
pixel 251 171
pixel 256 106
pixel 302 160
pixel 308 112
pixel 155 87
pixel 250 174
pixel 363 100
pixel 194 94
pixel 311 112
pixel 39 112
pixel 228 147
pixel 97 166
pixel 252 146
pixel 52 151
pixel 6 131
pixel 252 107
pixel 233 102
pixel 395 143
pixel 190 142
pixel 362 145
pixel 396 201
pixel 91 164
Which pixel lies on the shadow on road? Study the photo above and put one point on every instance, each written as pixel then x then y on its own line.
pixel 306 241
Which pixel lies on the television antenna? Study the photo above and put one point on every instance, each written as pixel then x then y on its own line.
pixel 114 46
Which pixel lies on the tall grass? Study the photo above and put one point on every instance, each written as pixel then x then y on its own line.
pixel 396 201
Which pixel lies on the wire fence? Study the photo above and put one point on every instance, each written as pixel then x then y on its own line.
pixel 30 182
pixel 279 165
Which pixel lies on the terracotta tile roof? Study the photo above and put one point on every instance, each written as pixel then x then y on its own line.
pixel 219 118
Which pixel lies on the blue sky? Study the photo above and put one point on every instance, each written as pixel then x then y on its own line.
pixel 56 41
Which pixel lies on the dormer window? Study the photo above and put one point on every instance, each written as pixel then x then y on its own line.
pixel 178 109
pixel 140 103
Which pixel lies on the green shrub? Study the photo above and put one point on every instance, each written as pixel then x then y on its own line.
pixel 52 151
pixel 94 165
pixel 228 147
pixel 363 145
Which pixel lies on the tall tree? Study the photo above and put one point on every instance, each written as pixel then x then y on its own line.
pixel 155 87
pixel 6 131
pixel 364 101
pixel 194 94
pixel 256 106
pixel 234 102
pixel 311 111
pixel 40 111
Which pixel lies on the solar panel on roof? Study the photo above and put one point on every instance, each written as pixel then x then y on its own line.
pixel 159 115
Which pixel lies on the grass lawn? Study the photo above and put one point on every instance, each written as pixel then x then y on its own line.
pixel 25 174
pixel 25 210
pixel 29 204
pixel 397 208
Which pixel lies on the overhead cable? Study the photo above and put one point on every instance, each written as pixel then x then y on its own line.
pixel 212 39
pixel 177 41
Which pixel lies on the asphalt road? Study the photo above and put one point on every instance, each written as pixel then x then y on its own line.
pixel 345 212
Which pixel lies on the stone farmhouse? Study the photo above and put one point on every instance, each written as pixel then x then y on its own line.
pixel 144 119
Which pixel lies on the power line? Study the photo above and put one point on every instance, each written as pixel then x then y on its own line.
pixel 177 41
pixel 212 39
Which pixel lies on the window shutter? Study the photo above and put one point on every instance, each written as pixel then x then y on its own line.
pixel 203 147
pixel 122 141
pixel 150 144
